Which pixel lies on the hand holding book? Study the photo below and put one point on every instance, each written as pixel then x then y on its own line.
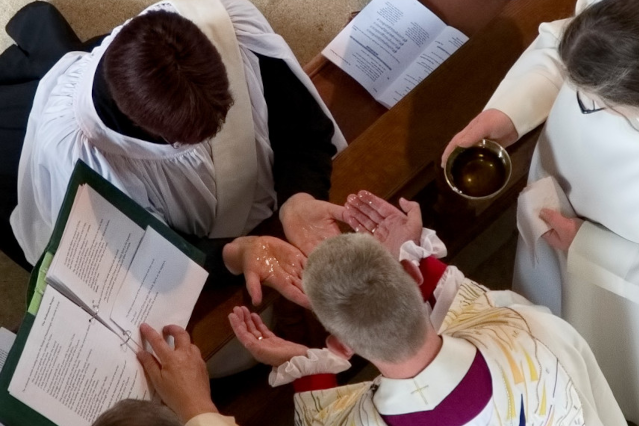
pixel 178 374
pixel 109 267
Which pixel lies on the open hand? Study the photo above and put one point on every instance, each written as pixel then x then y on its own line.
pixel 307 221
pixel 563 229
pixel 368 213
pixel 178 375
pixel 265 346
pixel 269 261
pixel 490 124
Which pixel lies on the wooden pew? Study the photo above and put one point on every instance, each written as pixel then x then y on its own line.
pixel 352 107
pixel 399 154
pixel 396 152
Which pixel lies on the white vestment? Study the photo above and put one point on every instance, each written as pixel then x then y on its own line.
pixel 541 369
pixel 179 185
pixel 595 159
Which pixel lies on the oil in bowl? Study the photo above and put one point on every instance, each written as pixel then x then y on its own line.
pixel 478 172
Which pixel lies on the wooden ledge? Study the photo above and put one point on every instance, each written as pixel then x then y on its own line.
pixel 396 153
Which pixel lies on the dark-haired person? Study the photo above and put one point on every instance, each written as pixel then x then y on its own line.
pixel 581 75
pixel 196 109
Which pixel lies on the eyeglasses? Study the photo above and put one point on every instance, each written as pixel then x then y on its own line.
pixel 583 108
pixel 633 120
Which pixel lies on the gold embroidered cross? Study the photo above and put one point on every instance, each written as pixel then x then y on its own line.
pixel 419 390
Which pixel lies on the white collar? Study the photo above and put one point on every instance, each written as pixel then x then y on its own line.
pixel 428 389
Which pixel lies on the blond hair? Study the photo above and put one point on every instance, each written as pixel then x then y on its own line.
pixel 363 296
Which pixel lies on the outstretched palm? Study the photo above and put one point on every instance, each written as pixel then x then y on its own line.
pixel 307 221
pixel 269 261
pixel 368 213
pixel 261 342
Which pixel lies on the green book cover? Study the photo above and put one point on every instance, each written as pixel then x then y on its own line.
pixel 12 411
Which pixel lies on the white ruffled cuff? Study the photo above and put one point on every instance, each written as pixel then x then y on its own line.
pixel 316 361
pixel 429 245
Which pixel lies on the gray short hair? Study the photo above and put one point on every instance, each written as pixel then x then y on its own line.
pixel 363 296
pixel 134 412
pixel 600 50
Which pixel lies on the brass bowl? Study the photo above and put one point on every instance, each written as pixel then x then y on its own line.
pixel 478 172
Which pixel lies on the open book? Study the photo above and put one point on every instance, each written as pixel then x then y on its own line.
pixel 107 274
pixel 391 46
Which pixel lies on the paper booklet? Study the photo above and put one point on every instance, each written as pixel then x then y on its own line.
pixel 391 46
pixel 108 270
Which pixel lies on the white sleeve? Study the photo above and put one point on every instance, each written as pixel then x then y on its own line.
pixel 316 361
pixel 528 91
pixel 429 245
pixel 603 258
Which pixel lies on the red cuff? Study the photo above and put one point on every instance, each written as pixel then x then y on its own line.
pixel 432 270
pixel 315 382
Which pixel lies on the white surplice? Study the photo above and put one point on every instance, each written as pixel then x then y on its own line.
pixel 595 159
pixel 179 185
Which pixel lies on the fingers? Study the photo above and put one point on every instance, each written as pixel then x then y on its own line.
pixel 160 347
pixel 254 287
pixel 412 210
pixel 352 218
pixel 360 216
pixel 290 287
pixel 180 336
pixel 367 208
pixel 449 150
pixel 551 217
pixel 365 211
pixel 297 282
pixel 474 132
pixel 336 212
pixel 150 365
pixel 248 326
pixel 409 206
pixel 295 295
pixel 261 327
pixel 552 238
pixel 240 328
pixel 489 124
pixel 290 259
pixel 379 205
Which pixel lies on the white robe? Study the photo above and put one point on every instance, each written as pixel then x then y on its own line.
pixel 540 367
pixel 177 185
pixel 595 159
